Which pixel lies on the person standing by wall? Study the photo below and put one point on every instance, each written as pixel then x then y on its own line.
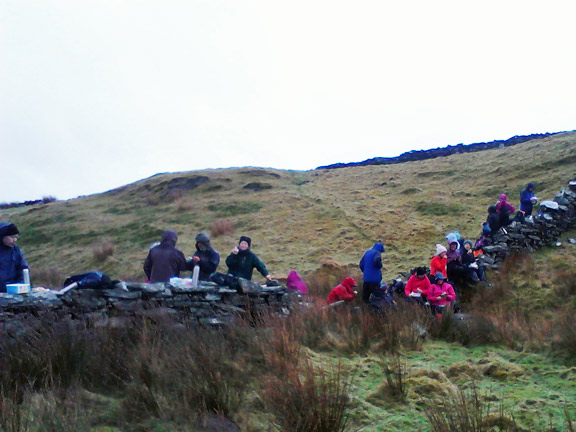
pixel 371 266
pixel 206 257
pixel 242 261
pixel 165 261
pixel 528 199
pixel 12 261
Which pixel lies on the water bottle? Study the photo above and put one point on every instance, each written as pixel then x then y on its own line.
pixel 195 276
pixel 26 273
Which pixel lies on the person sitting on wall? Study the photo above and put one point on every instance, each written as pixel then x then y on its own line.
pixel 441 294
pixel 242 261
pixel 474 271
pixel 417 286
pixel 493 220
pixel 344 291
pixel 455 271
pixel 504 209
pixel 12 261
pixel 164 260
pixel 206 257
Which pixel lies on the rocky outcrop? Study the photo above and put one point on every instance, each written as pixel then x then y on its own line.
pixel 417 155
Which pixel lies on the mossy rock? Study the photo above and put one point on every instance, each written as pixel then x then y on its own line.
pixel 429 383
pixel 492 365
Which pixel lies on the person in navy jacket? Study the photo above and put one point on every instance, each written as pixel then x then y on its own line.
pixel 12 261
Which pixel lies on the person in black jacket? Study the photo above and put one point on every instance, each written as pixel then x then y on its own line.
pixel 165 261
pixel 206 257
pixel 242 261
pixel 493 219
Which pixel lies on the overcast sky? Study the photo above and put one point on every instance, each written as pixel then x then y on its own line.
pixel 95 94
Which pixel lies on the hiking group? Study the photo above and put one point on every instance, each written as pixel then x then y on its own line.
pixel 456 263
pixel 452 268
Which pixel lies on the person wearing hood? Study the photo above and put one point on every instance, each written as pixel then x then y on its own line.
pixel 504 210
pixel 371 266
pixel 527 199
pixel 493 220
pixel 206 257
pixel 441 294
pixel 439 261
pixel 242 261
pixel 165 261
pixel 295 283
pixel 12 261
pixel 344 291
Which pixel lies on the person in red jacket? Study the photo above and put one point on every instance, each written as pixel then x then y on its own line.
pixel 343 291
pixel 417 286
pixel 438 262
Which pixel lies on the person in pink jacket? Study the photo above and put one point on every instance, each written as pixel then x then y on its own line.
pixel 417 286
pixel 441 294
pixel 504 210
pixel 295 283
pixel 343 291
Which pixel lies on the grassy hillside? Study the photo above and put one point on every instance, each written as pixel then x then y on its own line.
pixel 296 219
pixel 513 362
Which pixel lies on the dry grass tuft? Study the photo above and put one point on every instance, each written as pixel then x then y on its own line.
pixel 103 249
pixel 219 227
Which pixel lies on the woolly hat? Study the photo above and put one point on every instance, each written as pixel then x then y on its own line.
pixel 440 249
pixel 420 271
pixel 8 229
pixel 469 242
pixel 246 239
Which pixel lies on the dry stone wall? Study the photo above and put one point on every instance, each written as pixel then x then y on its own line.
pixel 208 304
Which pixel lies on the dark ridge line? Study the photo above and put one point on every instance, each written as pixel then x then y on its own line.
pixel 417 155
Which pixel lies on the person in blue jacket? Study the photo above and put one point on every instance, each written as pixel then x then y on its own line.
pixel 12 261
pixel 371 266
pixel 527 199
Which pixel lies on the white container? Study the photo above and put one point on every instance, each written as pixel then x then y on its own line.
pixel 18 288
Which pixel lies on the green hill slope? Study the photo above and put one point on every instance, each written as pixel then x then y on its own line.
pixel 296 219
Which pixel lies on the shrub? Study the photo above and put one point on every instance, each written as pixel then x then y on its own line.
pixel 396 372
pixel 309 399
pixel 48 199
pixel 220 227
pixel 103 249
pixel 467 412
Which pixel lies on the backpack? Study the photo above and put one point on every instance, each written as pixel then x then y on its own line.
pixel 93 280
